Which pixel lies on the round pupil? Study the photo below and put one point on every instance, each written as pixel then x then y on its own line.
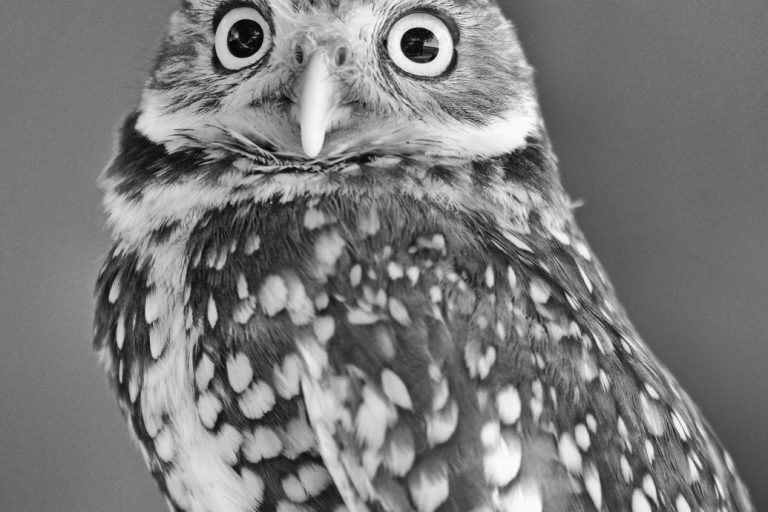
pixel 245 38
pixel 420 45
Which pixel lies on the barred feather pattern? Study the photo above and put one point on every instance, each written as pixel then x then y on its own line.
pixel 380 352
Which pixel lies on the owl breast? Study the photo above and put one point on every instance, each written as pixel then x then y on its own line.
pixel 210 369
pixel 384 352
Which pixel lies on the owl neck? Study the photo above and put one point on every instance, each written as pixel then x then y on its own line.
pixel 147 188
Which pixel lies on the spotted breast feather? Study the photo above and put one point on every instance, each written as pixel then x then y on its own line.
pixel 321 353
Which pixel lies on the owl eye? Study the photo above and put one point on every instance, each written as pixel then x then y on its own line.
pixel 421 44
pixel 242 38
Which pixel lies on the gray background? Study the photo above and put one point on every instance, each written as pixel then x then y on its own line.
pixel 659 112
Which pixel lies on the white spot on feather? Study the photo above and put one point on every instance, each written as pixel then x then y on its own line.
pixel 242 286
pixel 253 486
pixel 323 327
pixel 204 372
pixel 358 316
pixel 435 294
pixel 395 389
pixel 164 445
pixel 479 363
pixel 213 313
pixel 649 450
pixel 257 401
pixel 593 486
pixel 321 301
pixel 314 478
pixel 569 454
pixel 694 470
pixel 120 331
pixel 133 384
pixel 652 391
pixel 395 271
pixel 273 295
pixel 682 429
pixel 583 250
pixel 623 432
pixel 221 259
pixel 640 502
pixel 517 242
pixel 413 274
pixel 649 487
pixel 582 437
pixel 681 504
pixel 373 417
pixel 369 224
pixel 244 310
pixel 511 278
pixel 114 290
pixel 262 443
pixel 440 393
pixel 355 276
pixel 490 277
pixel 328 248
pixel 314 218
pixel 299 305
pixel 287 377
pixel 239 372
pixel 523 496
pixel 626 469
pixel 298 437
pixel 588 367
pixel 252 244
pixel 429 489
pixel 399 312
pixel 208 409
pixel 508 405
pixel 293 489
pixel 591 423
pixel 399 452
pixel 539 290
pixel 152 306
pixel 584 278
pixel 503 456
pixel 442 424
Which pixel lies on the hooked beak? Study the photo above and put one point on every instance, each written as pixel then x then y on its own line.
pixel 318 100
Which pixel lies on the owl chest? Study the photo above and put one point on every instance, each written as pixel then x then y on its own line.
pixel 209 337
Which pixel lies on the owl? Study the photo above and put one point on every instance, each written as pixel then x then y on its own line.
pixel 345 277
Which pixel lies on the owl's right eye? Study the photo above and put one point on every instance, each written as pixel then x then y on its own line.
pixel 243 37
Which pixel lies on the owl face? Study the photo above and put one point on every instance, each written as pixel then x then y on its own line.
pixel 314 80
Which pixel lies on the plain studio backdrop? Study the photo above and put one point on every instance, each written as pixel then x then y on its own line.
pixel 658 111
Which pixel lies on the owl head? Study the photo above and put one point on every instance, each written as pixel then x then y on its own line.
pixel 318 80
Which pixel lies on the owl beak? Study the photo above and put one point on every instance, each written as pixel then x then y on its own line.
pixel 317 102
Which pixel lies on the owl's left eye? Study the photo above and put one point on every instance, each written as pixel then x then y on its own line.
pixel 242 38
pixel 421 44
